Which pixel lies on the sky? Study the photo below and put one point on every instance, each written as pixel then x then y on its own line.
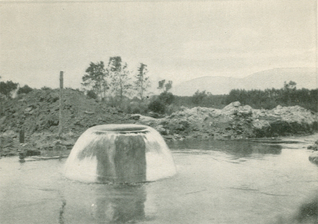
pixel 178 40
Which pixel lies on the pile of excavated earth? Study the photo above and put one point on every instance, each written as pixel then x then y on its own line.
pixel 235 122
pixel 37 115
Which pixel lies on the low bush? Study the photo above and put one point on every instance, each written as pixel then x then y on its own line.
pixel 25 89
pixel 91 94
pixel 157 106
pixel 166 98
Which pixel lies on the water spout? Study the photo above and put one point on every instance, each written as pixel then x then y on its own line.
pixel 121 153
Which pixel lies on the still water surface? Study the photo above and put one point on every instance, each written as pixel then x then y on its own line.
pixel 217 182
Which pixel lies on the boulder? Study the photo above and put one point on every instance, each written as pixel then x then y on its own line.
pixel 314 157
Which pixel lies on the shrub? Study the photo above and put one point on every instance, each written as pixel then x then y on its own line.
pixel 166 97
pixel 91 94
pixel 7 87
pixel 157 106
pixel 25 89
pixel 46 88
pixel 198 97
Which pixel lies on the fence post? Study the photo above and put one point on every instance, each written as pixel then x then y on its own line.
pixel 61 105
pixel 21 136
pixel 0 147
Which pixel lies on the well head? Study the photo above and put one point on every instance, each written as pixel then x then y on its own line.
pixel 121 153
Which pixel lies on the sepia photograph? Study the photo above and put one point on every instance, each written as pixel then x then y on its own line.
pixel 158 112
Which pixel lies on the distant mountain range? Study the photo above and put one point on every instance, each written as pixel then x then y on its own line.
pixel 273 78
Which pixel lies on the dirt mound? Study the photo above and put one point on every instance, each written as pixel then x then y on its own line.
pixel 235 121
pixel 37 113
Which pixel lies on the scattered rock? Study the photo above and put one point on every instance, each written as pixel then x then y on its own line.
pixel 88 112
pixel 314 157
pixel 314 146
pixel 236 104
pixel 135 116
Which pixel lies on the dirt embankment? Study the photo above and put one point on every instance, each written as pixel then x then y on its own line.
pixel 37 113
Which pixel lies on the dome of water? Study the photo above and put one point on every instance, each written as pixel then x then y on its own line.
pixel 121 153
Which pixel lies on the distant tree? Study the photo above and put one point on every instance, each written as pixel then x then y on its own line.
pixel 95 78
pixel 290 86
pixel 288 92
pixel 142 80
pixel 7 87
pixel 166 97
pixel 163 86
pixel 198 97
pixel 25 89
pixel 119 74
pixel 168 86
pixel 46 88
pixel 115 64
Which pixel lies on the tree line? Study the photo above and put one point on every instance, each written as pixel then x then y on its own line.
pixel 115 80
pixel 118 86
pixel 289 95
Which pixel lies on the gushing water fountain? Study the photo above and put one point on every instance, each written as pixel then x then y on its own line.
pixel 121 153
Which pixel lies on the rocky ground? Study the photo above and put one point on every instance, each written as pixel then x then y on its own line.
pixel 314 155
pixel 37 114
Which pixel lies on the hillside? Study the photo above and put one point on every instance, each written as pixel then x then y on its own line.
pixel 274 78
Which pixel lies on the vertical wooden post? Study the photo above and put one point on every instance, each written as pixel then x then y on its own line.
pixel 22 151
pixel 61 105
pixel 21 136
pixel 0 147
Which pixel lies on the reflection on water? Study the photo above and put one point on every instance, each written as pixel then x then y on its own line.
pixel 238 148
pixel 217 182
pixel 306 213
pixel 62 209
pixel 119 204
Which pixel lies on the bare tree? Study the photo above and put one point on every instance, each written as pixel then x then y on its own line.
pixel 142 82
pixel 119 74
